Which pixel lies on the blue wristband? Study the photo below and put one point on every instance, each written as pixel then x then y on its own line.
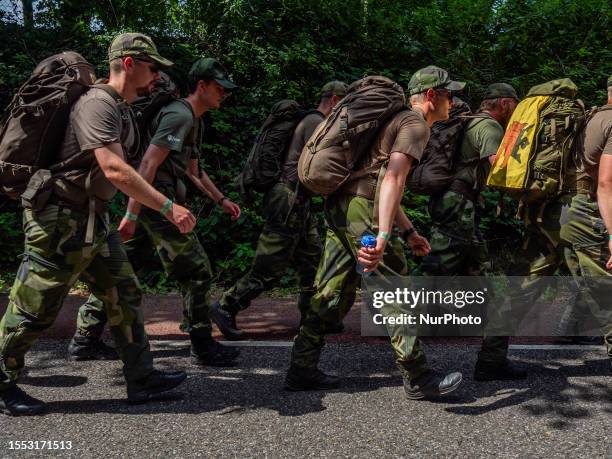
pixel 130 216
pixel 384 236
pixel 166 207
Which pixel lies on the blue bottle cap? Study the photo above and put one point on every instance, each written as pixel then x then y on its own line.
pixel 368 241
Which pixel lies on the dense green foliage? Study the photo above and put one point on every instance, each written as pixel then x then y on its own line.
pixel 289 48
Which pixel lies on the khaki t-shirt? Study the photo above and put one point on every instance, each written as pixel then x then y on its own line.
pixel 96 120
pixel 172 129
pixel 406 133
pixel 302 133
pixel 482 137
pixel 595 140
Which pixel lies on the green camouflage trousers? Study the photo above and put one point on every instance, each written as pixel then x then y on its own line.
pixel 184 261
pixel 55 257
pixel 337 280
pixel 570 231
pixel 289 238
pixel 457 246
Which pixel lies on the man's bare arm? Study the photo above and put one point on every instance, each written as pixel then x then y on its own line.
pixel 126 179
pixel 201 180
pixel 389 198
pixel 392 189
pixel 151 160
pixel 604 196
pixel 418 244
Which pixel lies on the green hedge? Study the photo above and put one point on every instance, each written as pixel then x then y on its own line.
pixel 288 49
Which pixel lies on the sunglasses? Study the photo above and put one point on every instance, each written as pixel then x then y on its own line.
pixel 154 68
pixel 445 93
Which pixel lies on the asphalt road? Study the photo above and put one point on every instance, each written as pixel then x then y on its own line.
pixel 564 408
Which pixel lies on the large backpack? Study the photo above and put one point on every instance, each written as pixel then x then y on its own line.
pixel 435 171
pixel 145 109
pixel 263 166
pixel 34 124
pixel 533 157
pixel 330 157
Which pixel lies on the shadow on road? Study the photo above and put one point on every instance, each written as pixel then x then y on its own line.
pixel 548 391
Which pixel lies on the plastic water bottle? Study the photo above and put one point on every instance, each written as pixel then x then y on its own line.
pixel 369 241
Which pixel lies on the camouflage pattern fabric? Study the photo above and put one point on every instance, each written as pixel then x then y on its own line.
pixel 571 232
pixel 349 217
pixel 289 238
pixel 184 261
pixel 457 245
pixel 55 257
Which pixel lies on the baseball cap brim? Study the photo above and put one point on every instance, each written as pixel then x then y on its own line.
pixel 455 85
pixel 161 60
pixel 227 84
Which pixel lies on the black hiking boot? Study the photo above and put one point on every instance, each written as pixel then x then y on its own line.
pixel 90 348
pixel 157 382
pixel 431 385
pixel 15 402
pixel 226 322
pixel 206 351
pixel 298 379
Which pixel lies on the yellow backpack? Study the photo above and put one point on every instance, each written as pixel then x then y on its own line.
pixel 532 159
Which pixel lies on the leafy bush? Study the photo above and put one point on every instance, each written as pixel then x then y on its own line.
pixel 290 48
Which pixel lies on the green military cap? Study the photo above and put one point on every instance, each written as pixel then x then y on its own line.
pixel 432 77
pixel 334 88
pixel 135 44
pixel 609 81
pixel 207 68
pixel 500 90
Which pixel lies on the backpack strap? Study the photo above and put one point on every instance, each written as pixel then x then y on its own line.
pixel 111 92
pixel 91 217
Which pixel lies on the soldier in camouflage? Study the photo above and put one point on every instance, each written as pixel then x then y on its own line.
pixel 349 213
pixel 68 237
pixel 290 236
pixel 457 245
pixel 572 229
pixel 171 156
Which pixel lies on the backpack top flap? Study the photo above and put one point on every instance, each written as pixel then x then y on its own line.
pixel 563 87
pixel 369 103
pixel 330 157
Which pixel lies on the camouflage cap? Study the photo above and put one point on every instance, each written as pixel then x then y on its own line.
pixel 500 90
pixel 207 68
pixel 334 88
pixel 135 44
pixel 432 77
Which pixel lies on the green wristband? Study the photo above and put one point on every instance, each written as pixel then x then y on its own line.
pixel 384 236
pixel 610 237
pixel 130 216
pixel 166 207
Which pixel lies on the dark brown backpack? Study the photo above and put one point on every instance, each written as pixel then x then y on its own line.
pixel 329 158
pixel 34 124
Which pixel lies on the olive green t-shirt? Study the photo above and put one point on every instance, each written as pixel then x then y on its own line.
pixel 594 141
pixel 481 139
pixel 172 128
pixel 96 120
pixel 406 133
